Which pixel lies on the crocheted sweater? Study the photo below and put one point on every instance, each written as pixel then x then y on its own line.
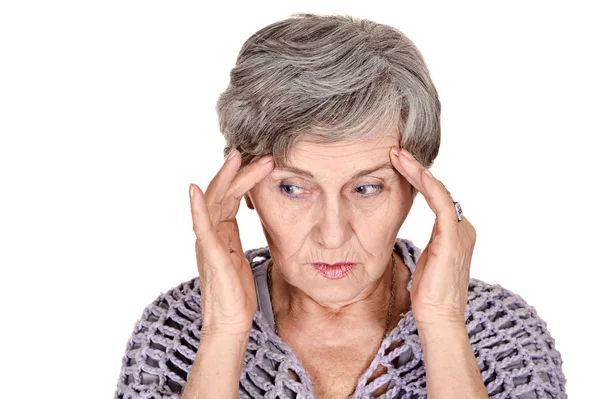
pixel 515 352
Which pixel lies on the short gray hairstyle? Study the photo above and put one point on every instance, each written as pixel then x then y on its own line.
pixel 328 78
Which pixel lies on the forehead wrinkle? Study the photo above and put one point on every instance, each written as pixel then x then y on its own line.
pixel 365 149
pixel 301 172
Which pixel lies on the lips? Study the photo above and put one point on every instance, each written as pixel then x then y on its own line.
pixel 335 271
pixel 335 264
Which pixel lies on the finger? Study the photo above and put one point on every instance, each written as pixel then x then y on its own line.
pixel 249 176
pixel 215 192
pixel 434 192
pixel 441 204
pixel 408 170
pixel 201 223
pixel 447 192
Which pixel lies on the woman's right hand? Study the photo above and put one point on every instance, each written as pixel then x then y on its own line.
pixel 226 281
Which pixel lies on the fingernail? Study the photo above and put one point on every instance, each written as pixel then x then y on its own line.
pixel 264 159
pixel 231 154
pixel 428 173
pixel 191 191
pixel 395 150
pixel 407 155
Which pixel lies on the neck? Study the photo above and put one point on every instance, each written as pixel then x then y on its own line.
pixel 341 324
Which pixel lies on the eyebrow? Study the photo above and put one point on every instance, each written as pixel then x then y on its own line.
pixel 361 173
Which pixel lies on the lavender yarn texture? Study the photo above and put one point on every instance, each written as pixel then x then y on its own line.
pixel 515 352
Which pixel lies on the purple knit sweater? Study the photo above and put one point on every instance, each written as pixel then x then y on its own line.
pixel 515 352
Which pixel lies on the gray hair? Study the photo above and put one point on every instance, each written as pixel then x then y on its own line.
pixel 328 78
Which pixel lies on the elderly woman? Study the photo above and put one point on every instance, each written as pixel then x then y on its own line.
pixel 331 124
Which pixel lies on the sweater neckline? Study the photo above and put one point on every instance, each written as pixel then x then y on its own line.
pixel 410 254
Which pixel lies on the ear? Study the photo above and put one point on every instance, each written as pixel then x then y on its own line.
pixel 249 203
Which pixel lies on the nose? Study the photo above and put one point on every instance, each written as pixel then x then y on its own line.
pixel 332 228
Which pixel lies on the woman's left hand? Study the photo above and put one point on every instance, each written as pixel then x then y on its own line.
pixel 440 282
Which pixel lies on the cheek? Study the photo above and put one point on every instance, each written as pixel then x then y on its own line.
pixel 276 215
pixel 384 216
pixel 382 207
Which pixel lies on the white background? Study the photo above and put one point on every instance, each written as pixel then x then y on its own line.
pixel 107 114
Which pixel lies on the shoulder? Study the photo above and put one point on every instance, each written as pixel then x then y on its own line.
pixel 514 348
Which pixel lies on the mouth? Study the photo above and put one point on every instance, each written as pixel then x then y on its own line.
pixel 335 271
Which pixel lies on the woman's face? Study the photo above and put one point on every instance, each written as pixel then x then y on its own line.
pixel 333 213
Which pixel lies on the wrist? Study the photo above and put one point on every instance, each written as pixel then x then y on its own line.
pixel 440 322
pixel 230 339
pixel 450 363
pixel 441 331
pixel 225 333
pixel 228 349
pixel 217 367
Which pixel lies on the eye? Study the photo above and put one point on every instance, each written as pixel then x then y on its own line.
pixel 288 189
pixel 376 188
pixel 366 190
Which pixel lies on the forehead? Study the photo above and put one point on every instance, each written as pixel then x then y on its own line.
pixel 346 159
pixel 344 148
